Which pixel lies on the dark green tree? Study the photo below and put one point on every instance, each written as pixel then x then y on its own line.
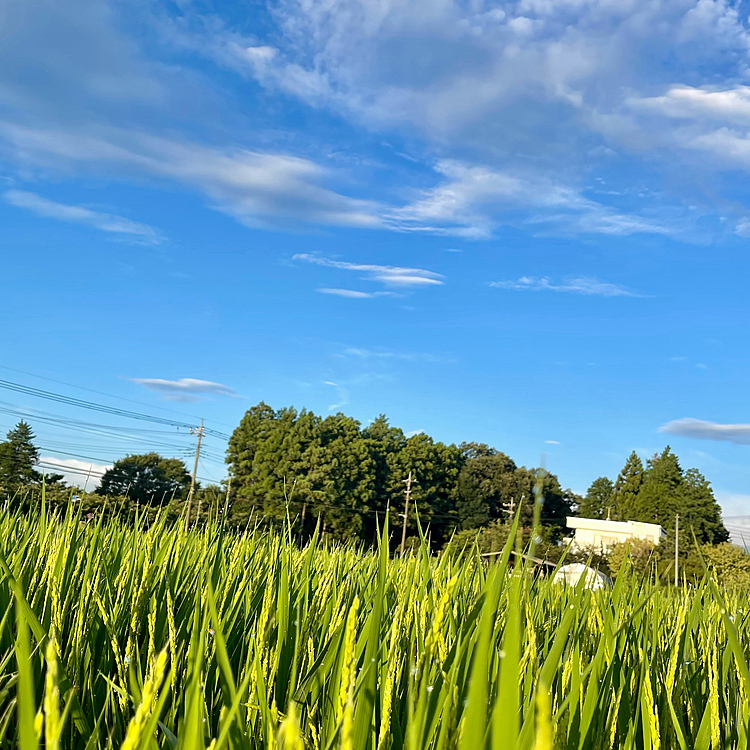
pixel 434 467
pixel 147 479
pixel 598 499
pixel 660 496
pixel 627 486
pixel 18 456
pixel 483 484
pixel 245 442
pixel 382 441
pixel 699 510
pixel 340 478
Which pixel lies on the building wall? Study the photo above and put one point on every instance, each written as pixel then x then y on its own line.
pixel 599 538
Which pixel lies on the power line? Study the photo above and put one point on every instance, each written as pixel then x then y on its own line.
pixel 102 408
pixel 99 393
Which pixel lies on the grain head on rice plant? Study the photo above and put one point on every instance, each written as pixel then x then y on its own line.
pixel 115 636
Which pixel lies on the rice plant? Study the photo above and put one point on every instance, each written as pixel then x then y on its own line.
pixel 127 637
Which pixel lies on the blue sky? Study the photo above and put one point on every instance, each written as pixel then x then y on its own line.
pixel 524 223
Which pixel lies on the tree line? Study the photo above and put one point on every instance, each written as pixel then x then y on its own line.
pixel 289 466
pixel 656 493
pixel 348 475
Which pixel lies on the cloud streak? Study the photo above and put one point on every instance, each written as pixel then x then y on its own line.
pixel 105 222
pixel 472 200
pixel 354 293
pixel 584 285
pixel 390 276
pixel 185 389
pixel 256 188
pixel 699 429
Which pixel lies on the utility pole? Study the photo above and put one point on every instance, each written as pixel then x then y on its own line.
pixel 406 513
pixel 511 507
pixel 199 432
pixel 676 549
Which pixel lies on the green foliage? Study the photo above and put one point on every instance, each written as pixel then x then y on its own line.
pixel 147 479
pixel 699 511
pixel 131 638
pixel 485 484
pixel 298 465
pixel 627 487
pixel 18 455
pixel 640 554
pixel 660 495
pixel 663 491
pixel 434 468
pixel 598 500
pixel 730 564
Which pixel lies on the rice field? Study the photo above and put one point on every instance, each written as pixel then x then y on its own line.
pixel 119 637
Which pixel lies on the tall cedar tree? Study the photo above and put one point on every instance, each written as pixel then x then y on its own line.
pixel 660 495
pixel 667 491
pixel 18 456
pixel 598 499
pixel 627 486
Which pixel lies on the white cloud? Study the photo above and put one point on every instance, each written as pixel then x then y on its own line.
pixel 76 473
pixel 472 200
pixel 257 188
pixel 185 389
pixel 393 276
pixel 353 293
pixel 584 285
pixel 520 90
pixel 106 222
pixel 688 102
pixel 384 354
pixel 552 442
pixel 739 434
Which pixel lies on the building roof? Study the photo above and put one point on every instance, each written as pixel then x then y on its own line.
pixel 636 528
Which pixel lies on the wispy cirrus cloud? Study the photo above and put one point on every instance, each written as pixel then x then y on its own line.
pixel 387 354
pixel 583 285
pixel 472 200
pixel 390 276
pixel 255 187
pixel 185 389
pixel 700 429
pixel 80 215
pixel 354 293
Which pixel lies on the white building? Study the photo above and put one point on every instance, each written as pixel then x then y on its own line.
pixel 591 532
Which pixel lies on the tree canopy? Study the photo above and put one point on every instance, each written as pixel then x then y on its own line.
pixel 18 456
pixel 598 499
pixel 147 479
pixel 284 461
pixel 657 494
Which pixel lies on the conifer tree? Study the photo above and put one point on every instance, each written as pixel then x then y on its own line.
pixel 626 489
pixel 699 510
pixel 18 456
pixel 660 496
